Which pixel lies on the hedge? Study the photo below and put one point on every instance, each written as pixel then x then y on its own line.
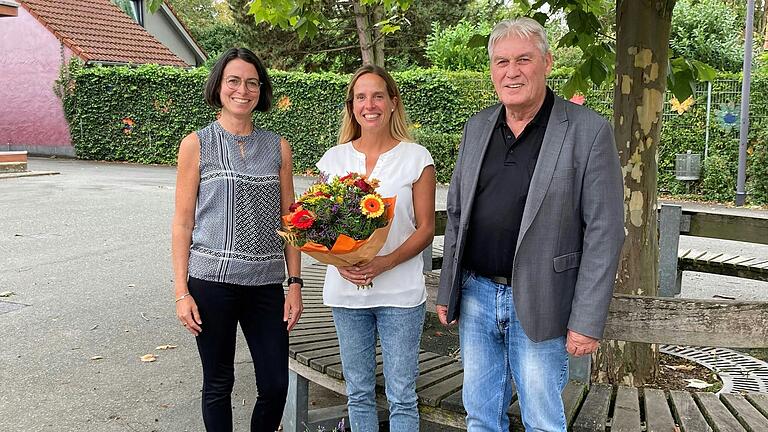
pixel 140 114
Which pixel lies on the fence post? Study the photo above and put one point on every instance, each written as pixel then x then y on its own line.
pixel 670 278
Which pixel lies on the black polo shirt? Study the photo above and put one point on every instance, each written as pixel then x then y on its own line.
pixel 502 189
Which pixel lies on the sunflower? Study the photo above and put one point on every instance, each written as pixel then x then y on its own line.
pixel 372 206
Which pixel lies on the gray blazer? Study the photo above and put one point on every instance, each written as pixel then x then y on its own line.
pixel 572 229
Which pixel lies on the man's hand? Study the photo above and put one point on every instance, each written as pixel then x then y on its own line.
pixel 442 314
pixel 579 345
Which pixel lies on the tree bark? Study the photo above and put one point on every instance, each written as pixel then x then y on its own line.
pixel 378 44
pixel 641 79
pixel 364 33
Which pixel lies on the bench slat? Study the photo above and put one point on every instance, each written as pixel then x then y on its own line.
pixel 317 326
pixel 314 337
pixel 742 261
pixel 749 417
pixel 573 395
pixel 312 346
pixel 454 402
pixel 696 255
pixel 760 401
pixel 594 413
pixel 658 418
pixel 687 413
pixel 626 410
pixel 321 364
pixel 310 331
pixel 688 322
pixel 717 414
pixel 305 357
pixel 434 363
pixel 436 375
pixel 433 395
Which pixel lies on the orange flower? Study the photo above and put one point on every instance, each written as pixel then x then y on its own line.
pixel 372 206
pixel 303 219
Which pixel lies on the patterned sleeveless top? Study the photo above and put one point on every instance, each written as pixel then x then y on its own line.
pixel 238 209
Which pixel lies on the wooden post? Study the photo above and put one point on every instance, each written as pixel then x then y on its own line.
pixel 579 368
pixel 670 278
pixel 296 413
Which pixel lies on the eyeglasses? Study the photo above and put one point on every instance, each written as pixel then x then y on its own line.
pixel 252 85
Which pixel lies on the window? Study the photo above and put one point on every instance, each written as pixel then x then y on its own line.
pixel 133 8
pixel 138 11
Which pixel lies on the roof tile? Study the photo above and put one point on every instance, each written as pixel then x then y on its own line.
pixel 101 31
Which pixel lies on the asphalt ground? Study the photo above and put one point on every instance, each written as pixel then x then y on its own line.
pixel 86 254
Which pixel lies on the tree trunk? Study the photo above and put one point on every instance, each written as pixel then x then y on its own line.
pixel 641 81
pixel 364 33
pixel 378 44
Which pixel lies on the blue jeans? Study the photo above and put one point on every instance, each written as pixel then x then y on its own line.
pixel 400 332
pixel 495 350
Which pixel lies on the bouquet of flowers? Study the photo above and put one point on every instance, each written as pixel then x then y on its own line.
pixel 343 222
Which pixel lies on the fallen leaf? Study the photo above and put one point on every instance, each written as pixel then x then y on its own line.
pixel 131 285
pixel 698 384
pixel 144 316
pixel 148 358
pixel 7 293
pixel 97 358
pixel 165 347
pixel 438 333
pixel 723 297
pixel 681 367
pixel 95 327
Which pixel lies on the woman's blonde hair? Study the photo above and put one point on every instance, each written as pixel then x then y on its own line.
pixel 398 122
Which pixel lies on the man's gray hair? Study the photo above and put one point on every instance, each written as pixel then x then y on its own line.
pixel 521 27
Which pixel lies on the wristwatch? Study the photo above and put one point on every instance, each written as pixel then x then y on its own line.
pixel 296 279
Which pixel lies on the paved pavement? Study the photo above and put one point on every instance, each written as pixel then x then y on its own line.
pixel 86 254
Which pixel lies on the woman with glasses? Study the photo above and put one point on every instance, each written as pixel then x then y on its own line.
pixel 234 181
pixel 374 139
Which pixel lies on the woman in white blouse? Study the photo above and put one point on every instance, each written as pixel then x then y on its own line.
pixel 374 140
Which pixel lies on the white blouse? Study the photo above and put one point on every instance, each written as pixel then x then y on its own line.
pixel 397 170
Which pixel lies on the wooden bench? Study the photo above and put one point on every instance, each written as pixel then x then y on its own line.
pixel 13 161
pixel 673 222
pixel 314 356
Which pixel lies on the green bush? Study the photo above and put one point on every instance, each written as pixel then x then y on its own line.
pixel 758 171
pixel 140 115
pixel 719 180
pixel 444 148
pixel 448 48
pixel 704 30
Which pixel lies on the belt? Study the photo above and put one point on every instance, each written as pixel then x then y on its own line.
pixel 503 280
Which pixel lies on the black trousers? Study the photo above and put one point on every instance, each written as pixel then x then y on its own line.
pixel 259 310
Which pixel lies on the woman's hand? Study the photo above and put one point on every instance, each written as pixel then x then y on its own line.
pixel 364 274
pixel 186 311
pixel 293 306
pixel 352 274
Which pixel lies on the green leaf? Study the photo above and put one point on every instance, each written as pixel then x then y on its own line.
pixel 575 83
pixel 478 40
pixel 540 17
pixel 598 71
pixel 704 72
pixel 389 28
pixel 154 5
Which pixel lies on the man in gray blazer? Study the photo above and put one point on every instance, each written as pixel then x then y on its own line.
pixel 535 230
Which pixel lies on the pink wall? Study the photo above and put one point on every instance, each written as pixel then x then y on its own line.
pixel 31 115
